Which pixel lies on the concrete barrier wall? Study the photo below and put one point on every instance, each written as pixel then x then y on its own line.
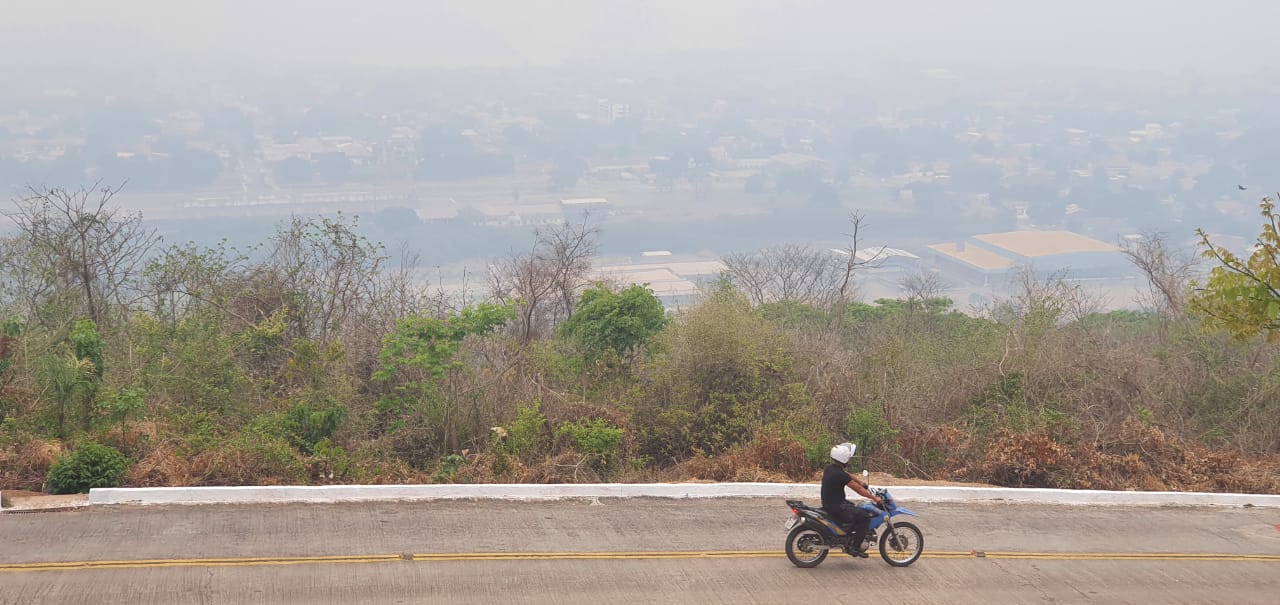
pixel 808 491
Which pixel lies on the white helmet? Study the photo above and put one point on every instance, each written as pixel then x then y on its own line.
pixel 844 452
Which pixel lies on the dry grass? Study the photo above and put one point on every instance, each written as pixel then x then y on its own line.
pixel 135 441
pixel 767 458
pixel 26 467
pixel 162 467
pixel 1141 457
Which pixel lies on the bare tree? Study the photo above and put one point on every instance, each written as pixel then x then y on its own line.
pixel 853 261
pixel 791 272
pixel 74 246
pixel 326 269
pixel 570 248
pixel 1168 272
pixel 922 286
pixel 544 280
pixel 749 273
pixel 1050 301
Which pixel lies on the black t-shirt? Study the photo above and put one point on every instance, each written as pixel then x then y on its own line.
pixel 833 481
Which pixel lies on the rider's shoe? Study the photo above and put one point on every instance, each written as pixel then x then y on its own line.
pixel 855 552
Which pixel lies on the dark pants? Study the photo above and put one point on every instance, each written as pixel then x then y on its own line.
pixel 858 518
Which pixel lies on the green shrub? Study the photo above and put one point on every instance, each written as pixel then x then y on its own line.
pixel 449 466
pixel 90 465
pixel 330 461
pixel 869 429
pixel 529 436
pixel 122 407
pixel 596 438
pixel 250 458
pixel 309 426
pixel 817 450
pixel 303 426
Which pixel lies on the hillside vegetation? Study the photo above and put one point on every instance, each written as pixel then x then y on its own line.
pixel 314 358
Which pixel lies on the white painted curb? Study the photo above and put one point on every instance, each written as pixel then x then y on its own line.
pixel 358 493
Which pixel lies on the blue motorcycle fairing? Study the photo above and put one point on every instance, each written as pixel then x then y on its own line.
pixel 898 510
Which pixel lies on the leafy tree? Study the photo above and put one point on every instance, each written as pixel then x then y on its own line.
pixel 65 378
pixel 719 373
pixel 121 407
pixel 620 322
pixel 1242 296
pixel 87 344
pixel 186 279
pixel 421 350
pixel 73 375
pixel 424 348
pixel 868 428
pixel 10 330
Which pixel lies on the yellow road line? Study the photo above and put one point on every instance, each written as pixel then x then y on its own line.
pixel 218 562
pixel 560 556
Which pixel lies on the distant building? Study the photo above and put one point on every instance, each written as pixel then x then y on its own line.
pixel 609 112
pixel 677 284
pixel 881 257
pixel 512 215
pixel 964 262
pixel 577 210
pixel 994 257
pixel 795 160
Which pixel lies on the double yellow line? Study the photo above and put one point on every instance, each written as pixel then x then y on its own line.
pixel 562 556
pixel 207 562
pixel 1099 556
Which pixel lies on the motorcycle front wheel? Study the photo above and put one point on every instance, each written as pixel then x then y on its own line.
pixel 901 545
pixel 805 547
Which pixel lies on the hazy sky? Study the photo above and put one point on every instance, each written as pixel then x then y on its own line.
pixel 1226 36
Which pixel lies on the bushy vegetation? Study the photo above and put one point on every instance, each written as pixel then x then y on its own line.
pixel 90 465
pixel 312 359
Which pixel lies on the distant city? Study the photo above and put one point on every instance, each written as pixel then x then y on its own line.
pixel 951 169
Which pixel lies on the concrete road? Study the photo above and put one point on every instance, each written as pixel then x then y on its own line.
pixel 626 551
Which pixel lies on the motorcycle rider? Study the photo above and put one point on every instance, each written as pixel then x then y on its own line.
pixel 834 480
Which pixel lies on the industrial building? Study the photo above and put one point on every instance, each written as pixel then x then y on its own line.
pixel 993 258
pixel 676 283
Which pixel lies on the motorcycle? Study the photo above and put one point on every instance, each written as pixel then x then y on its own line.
pixel 812 533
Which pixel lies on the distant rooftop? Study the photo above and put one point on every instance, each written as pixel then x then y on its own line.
pixel 792 158
pixel 683 269
pixel 974 255
pixel 877 253
pixel 1045 243
pixel 585 201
